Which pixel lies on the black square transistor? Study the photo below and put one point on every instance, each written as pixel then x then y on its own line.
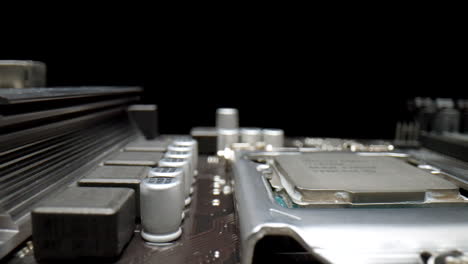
pixel 84 222
pixel 117 176
pixel 142 158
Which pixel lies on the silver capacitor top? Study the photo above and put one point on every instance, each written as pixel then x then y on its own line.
pixel 179 154
pixel 182 155
pixel 227 118
pixel 162 204
pixel 273 137
pixel 250 135
pixel 164 172
pixel 227 137
pixel 185 165
pixel 189 142
pixel 173 147
pixel 179 148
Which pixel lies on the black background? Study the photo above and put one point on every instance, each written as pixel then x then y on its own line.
pixel 337 82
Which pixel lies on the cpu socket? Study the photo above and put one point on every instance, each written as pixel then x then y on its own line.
pixel 348 207
pixel 356 179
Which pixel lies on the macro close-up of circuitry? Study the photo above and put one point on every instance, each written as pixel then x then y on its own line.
pixel 87 177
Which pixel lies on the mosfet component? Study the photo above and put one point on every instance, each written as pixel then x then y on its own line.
pixel 206 138
pixel 185 165
pixel 158 144
pixel 134 159
pixel 162 204
pixel 145 118
pixel 117 176
pixel 84 222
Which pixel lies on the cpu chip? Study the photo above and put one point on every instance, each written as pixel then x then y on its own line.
pixel 337 177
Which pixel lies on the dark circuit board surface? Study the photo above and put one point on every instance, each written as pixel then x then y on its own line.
pixel 210 232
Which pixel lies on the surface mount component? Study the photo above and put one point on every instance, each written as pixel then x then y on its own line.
pixel 84 222
pixel 334 177
pixel 141 144
pixel 117 176
pixel 206 138
pixel 145 117
pixel 162 203
pixel 134 159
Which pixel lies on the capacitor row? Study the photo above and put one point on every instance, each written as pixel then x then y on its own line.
pixel 268 137
pixel 227 126
pixel 167 191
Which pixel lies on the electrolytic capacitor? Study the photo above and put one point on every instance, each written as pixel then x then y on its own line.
pixel 189 142
pixel 227 118
pixel 250 135
pixel 227 137
pixel 183 155
pixel 178 148
pixel 273 137
pixel 162 204
pixel 185 165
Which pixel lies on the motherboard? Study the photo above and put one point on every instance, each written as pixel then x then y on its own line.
pixel 86 177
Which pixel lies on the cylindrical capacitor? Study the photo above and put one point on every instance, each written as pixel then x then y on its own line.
pixel 183 155
pixel 273 137
pixel 227 118
pixel 226 137
pixel 447 119
pixel 185 165
pixel 162 204
pixel 189 142
pixel 174 147
pixel 250 135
